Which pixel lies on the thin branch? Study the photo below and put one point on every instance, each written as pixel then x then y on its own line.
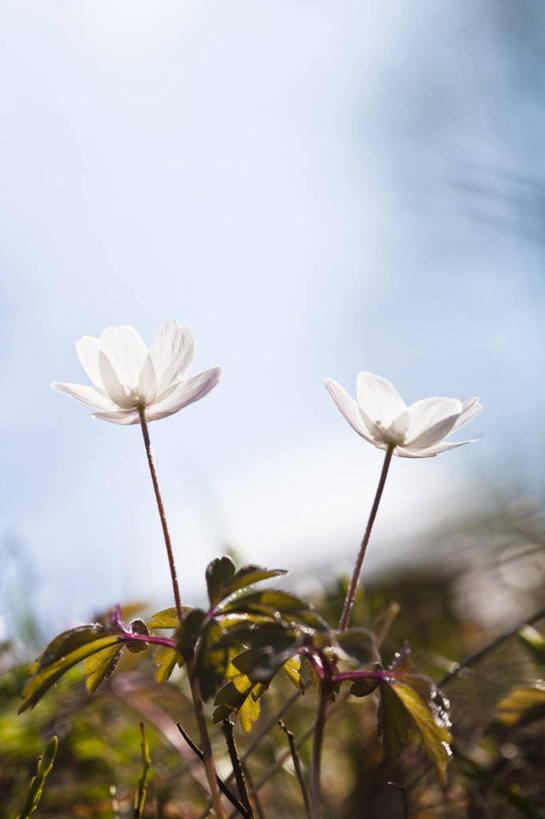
pixel 228 730
pixel 221 784
pixel 497 641
pixel 297 765
pixel 255 742
pixel 140 797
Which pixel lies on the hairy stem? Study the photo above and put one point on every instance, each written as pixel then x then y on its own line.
pixel 161 508
pixel 317 749
pixel 208 759
pixel 221 784
pixel 349 602
pixel 228 730
pixel 297 765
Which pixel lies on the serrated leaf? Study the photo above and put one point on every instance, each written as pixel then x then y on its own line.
pixel 250 574
pixel 211 661
pixel 292 668
pixel 100 666
pixel 219 573
pixel 167 618
pixel 67 642
pixel 359 644
pixel 44 678
pixel 239 696
pixel 394 722
pixel 45 764
pixel 189 632
pixel 534 642
pixel 434 732
pixel 248 712
pixel 269 600
pixel 265 657
pixel 523 704
pixel 165 659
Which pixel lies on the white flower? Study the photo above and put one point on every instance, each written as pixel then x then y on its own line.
pixel 126 376
pixel 382 417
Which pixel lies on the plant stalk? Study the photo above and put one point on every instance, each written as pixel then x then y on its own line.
pixel 349 601
pixel 317 749
pixel 161 508
pixel 208 758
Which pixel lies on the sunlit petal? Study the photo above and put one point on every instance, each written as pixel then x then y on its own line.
pixel 147 385
pixel 124 417
pixel 91 396
pixel 87 349
pixel 126 352
pixel 470 409
pixel 172 352
pixel 348 407
pixel 378 398
pixel 430 411
pixel 111 382
pixel 187 393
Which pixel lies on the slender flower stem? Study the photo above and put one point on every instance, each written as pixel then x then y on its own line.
pixel 208 758
pixel 349 602
pixel 161 508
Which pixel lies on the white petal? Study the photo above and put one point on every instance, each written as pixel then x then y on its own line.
pixel 91 396
pixel 188 391
pixel 119 417
pixel 112 385
pixel 470 409
pixel 348 408
pixel 172 352
pixel 147 385
pixel 431 420
pixel 397 431
pixel 379 399
pixel 432 451
pixel 126 351
pixel 87 349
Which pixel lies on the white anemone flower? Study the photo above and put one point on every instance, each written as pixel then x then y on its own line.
pixel 127 377
pixel 381 417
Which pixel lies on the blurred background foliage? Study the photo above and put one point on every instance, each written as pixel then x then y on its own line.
pixel 485 574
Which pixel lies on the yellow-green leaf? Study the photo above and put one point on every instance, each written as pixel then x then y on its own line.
pixel 165 659
pixel 523 704
pixel 98 666
pixel 435 733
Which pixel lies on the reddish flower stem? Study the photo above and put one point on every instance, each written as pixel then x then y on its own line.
pixel 349 602
pixel 161 508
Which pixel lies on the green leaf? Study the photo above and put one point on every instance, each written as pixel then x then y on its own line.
pixel 167 618
pixel 165 659
pixel 394 722
pixel 270 649
pixel 218 575
pixel 523 704
pixel 432 726
pixel 292 668
pixel 534 642
pixel 189 632
pixel 45 677
pixel 100 666
pixel 250 574
pixel 210 661
pixel 359 644
pixel 45 764
pixel 67 642
pixel 364 686
pixel 239 696
pixel 271 602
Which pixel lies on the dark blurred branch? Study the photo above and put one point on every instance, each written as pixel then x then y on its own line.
pixel 497 641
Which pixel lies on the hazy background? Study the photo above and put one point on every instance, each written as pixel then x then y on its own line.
pixel 315 189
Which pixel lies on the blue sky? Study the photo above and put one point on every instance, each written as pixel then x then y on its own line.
pixel 315 190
